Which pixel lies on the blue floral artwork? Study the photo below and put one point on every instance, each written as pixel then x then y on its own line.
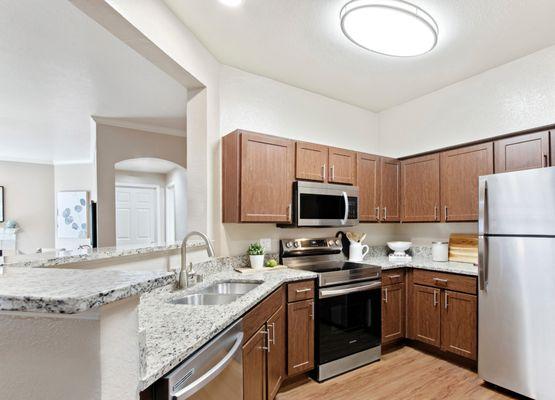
pixel 72 215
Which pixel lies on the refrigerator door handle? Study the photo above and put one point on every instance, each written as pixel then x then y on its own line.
pixel 483 262
pixel 482 206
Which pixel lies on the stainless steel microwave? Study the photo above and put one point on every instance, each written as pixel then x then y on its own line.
pixel 322 204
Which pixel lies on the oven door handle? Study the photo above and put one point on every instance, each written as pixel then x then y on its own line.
pixel 325 293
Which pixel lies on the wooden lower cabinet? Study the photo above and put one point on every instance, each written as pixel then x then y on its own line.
pixel 254 366
pixel 277 347
pixel 459 324
pixel 300 336
pixel 393 313
pixel 427 315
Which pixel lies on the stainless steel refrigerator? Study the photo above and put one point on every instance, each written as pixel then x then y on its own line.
pixel 517 281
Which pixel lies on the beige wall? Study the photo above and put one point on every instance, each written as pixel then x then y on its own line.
pixel 114 144
pixel 29 200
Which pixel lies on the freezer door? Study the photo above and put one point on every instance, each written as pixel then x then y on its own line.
pixel 518 203
pixel 516 331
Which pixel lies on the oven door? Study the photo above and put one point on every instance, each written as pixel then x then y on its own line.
pixel 349 320
pixel 319 204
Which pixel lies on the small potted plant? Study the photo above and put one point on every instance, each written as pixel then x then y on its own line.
pixel 256 255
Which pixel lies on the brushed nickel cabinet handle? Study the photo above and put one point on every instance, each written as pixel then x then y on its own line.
pixel 312 310
pixel 385 295
pixel 303 290
pixel 436 212
pixel 446 300
pixel 439 280
pixel 446 213
pixel 332 172
pixel 324 172
pixel 436 302
pixel 289 212
pixel 377 213
pixel 267 347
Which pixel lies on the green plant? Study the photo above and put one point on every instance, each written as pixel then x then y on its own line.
pixel 255 249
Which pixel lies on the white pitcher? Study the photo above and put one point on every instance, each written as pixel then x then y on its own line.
pixel 357 251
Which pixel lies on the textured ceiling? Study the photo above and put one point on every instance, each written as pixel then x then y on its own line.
pixel 299 42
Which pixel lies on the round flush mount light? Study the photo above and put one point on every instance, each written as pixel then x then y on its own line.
pixel 389 27
pixel 231 3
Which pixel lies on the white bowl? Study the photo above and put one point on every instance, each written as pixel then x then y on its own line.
pixel 399 247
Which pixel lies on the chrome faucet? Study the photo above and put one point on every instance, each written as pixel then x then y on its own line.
pixel 187 269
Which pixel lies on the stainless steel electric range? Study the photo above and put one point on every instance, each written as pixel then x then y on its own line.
pixel 348 304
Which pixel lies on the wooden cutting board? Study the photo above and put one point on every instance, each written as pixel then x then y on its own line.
pixel 463 248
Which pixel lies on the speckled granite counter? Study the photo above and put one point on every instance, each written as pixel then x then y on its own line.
pixel 174 332
pixel 58 258
pixel 426 263
pixel 69 291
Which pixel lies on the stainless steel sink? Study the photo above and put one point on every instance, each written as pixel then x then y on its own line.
pixel 231 287
pixel 206 299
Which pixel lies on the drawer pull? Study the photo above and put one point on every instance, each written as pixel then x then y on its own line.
pixel 439 280
pixel 303 290
pixel 394 276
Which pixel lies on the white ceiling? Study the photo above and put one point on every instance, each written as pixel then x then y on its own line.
pixel 58 68
pixel 299 42
pixel 151 165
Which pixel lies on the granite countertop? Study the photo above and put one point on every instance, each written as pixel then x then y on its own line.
pixel 420 262
pixel 57 258
pixel 174 332
pixel 71 291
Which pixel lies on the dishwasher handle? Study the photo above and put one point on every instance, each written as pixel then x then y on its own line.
pixel 212 373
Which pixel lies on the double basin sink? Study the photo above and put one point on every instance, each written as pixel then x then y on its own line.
pixel 218 293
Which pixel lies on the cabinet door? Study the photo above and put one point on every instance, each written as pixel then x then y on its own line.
pixel 342 166
pixel 458 324
pixel 426 314
pixel 368 182
pixel 276 352
pixel 420 189
pixel 266 178
pixel 393 313
pixel 390 171
pixel 312 161
pixel 522 152
pixel 254 366
pixel 460 170
pixel 300 337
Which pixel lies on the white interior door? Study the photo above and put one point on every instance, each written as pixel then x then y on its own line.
pixel 136 213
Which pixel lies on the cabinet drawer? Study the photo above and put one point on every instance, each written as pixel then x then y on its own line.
pixel 457 283
pixel 393 277
pixel 256 317
pixel 300 291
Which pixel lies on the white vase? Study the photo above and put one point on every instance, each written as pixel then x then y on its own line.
pixel 257 262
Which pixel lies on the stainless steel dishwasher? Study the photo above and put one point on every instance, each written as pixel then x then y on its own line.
pixel 213 372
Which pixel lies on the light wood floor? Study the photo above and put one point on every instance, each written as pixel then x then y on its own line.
pixel 403 374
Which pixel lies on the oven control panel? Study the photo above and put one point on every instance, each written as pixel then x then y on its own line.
pixel 331 244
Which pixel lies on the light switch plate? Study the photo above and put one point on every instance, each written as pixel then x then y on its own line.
pixel 267 244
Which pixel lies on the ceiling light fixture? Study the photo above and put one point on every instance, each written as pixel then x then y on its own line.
pixel 231 3
pixel 389 27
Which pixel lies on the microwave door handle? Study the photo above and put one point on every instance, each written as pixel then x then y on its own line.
pixel 346 216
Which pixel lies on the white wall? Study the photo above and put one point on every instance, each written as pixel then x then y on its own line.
pixel 178 178
pixel 74 177
pixel 29 200
pixel 515 96
pixel 253 102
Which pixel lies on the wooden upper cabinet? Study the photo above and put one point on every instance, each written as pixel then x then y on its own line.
pixel 276 327
pixel 393 312
pixel 312 161
pixel 522 152
pixel 390 174
pixel 258 174
pixel 459 324
pixel 368 182
pixel 460 170
pixel 420 196
pixel 342 167
pixel 426 315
